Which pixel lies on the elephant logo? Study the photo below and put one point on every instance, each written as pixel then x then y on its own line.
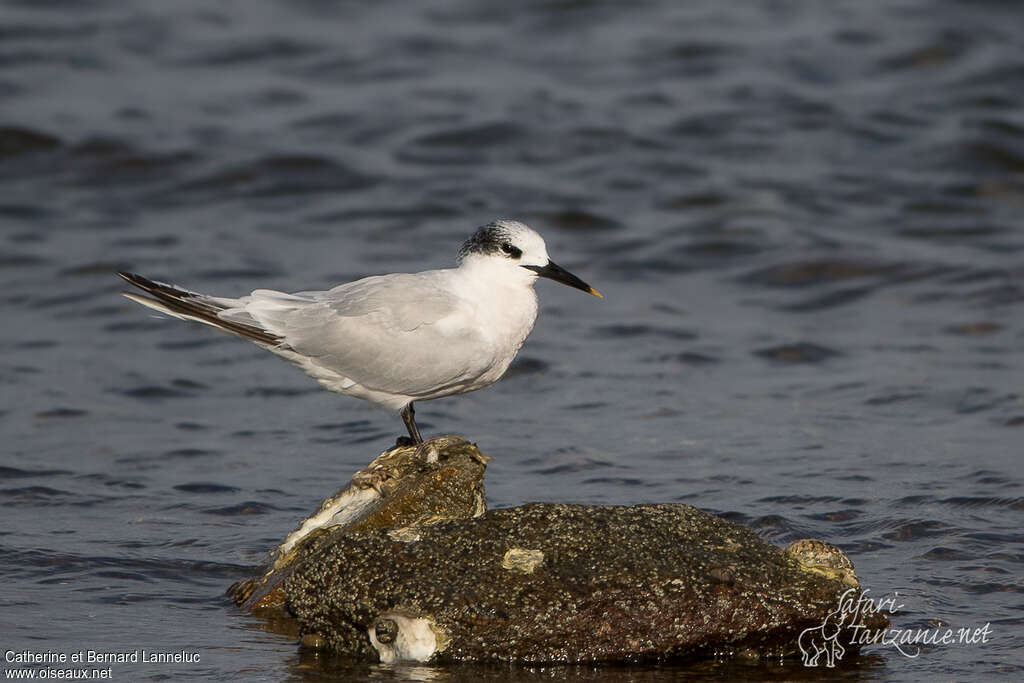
pixel 823 640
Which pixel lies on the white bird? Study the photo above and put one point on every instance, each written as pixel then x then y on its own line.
pixel 399 338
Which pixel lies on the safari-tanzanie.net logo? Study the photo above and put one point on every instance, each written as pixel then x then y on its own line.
pixel 844 628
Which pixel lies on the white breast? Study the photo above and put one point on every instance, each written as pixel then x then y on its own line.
pixel 504 315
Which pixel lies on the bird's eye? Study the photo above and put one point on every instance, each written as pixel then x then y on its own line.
pixel 512 250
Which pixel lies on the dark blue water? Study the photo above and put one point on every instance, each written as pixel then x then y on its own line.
pixel 806 219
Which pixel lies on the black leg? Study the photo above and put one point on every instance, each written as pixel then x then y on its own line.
pixel 409 417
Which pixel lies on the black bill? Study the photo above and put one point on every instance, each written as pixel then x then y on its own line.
pixel 557 273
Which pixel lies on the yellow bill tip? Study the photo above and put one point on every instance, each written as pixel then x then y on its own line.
pixel 596 293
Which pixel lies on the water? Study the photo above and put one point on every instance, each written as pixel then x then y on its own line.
pixel 805 218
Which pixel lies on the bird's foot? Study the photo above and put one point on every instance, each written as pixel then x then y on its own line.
pixel 371 480
pixel 429 450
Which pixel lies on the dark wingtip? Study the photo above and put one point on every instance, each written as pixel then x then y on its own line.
pixel 195 306
pixel 153 286
pixel 145 284
pixel 133 278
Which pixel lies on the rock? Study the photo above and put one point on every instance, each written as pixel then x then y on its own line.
pixel 423 579
pixel 824 558
pixel 606 584
pixel 401 489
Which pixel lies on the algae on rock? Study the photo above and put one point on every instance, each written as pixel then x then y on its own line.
pixel 404 487
pixel 422 573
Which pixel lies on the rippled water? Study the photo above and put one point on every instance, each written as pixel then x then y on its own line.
pixel 806 219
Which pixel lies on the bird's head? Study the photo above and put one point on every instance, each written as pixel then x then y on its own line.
pixel 517 251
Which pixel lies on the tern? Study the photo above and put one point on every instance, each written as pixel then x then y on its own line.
pixel 394 339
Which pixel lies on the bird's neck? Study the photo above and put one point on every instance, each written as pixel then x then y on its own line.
pixel 503 298
pixel 483 275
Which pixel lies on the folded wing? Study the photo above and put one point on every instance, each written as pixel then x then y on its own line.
pixel 405 334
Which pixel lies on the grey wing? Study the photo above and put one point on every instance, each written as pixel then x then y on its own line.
pixel 404 334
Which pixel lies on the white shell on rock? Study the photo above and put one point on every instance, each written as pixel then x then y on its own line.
pixel 399 637
pixel 523 560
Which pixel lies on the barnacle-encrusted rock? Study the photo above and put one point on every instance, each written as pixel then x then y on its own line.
pixel 401 489
pixel 542 583
pixel 824 558
pixel 608 583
